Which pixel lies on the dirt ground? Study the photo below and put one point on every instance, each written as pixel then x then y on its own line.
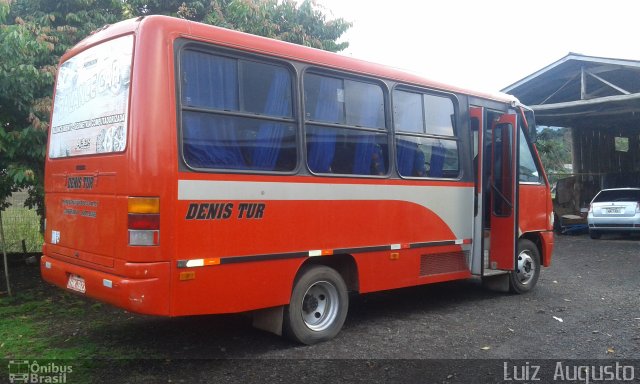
pixel 586 307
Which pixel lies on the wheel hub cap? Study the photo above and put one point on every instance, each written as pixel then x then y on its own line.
pixel 525 268
pixel 320 306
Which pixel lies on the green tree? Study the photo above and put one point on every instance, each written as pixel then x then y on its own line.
pixel 554 151
pixel 304 24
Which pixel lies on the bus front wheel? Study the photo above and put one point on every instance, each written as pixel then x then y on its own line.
pixel 527 269
pixel 318 306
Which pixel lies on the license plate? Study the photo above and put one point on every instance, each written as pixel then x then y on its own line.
pixel 76 283
pixel 613 210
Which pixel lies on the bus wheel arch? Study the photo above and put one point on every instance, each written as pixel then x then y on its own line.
pixel 318 305
pixel 536 239
pixel 344 264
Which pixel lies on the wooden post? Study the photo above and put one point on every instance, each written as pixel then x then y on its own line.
pixel 4 254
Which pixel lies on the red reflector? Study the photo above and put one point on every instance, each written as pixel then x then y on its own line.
pixel 144 221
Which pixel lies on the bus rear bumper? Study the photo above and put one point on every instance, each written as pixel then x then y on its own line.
pixel 147 293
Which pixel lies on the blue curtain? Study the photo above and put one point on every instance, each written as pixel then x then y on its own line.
pixel 366 142
pixel 322 140
pixel 269 136
pixel 406 153
pixel 363 155
pixel 212 82
pixel 410 158
pixel 195 153
pixel 437 160
pixel 419 167
pixel 210 141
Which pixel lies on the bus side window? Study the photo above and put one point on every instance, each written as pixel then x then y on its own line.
pixel 528 171
pixel 324 102
pixel 425 141
pixel 345 126
pixel 224 100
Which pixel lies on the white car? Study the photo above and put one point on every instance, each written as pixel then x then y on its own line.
pixel 614 211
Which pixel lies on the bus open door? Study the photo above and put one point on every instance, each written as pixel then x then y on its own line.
pixel 513 243
pixel 503 194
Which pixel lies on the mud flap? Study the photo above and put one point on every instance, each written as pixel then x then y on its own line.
pixel 498 283
pixel 269 320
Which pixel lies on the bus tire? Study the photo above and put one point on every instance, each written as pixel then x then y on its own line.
pixel 318 306
pixel 527 268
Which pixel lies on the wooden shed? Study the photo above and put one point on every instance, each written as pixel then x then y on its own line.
pixel 599 100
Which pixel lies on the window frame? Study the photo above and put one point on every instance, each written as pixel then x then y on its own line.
pixel 183 45
pixel 304 121
pixel 501 194
pixel 456 137
pixel 536 160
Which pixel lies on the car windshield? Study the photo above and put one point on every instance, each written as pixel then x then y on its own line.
pixel 618 195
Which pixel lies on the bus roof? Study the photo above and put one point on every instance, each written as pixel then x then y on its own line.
pixel 262 45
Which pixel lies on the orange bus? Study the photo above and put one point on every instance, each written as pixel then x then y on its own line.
pixel 195 170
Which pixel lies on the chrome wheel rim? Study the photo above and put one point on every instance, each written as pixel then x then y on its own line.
pixel 320 306
pixel 526 268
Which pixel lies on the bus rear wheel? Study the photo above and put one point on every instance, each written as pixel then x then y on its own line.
pixel 527 269
pixel 318 306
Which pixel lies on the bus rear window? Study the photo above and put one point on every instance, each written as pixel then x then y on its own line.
pixel 91 101
pixel 617 195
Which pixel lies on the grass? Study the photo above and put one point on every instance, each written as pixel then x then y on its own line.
pixel 26 321
pixel 45 324
pixel 25 334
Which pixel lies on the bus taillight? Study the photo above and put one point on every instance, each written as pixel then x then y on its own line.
pixel 144 220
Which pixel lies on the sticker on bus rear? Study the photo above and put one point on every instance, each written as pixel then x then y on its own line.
pixel 91 102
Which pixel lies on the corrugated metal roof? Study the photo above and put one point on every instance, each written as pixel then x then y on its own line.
pixel 578 87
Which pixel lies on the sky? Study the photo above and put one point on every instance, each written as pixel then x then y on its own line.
pixel 485 44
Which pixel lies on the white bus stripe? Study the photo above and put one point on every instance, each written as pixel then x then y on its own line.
pixel 451 203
